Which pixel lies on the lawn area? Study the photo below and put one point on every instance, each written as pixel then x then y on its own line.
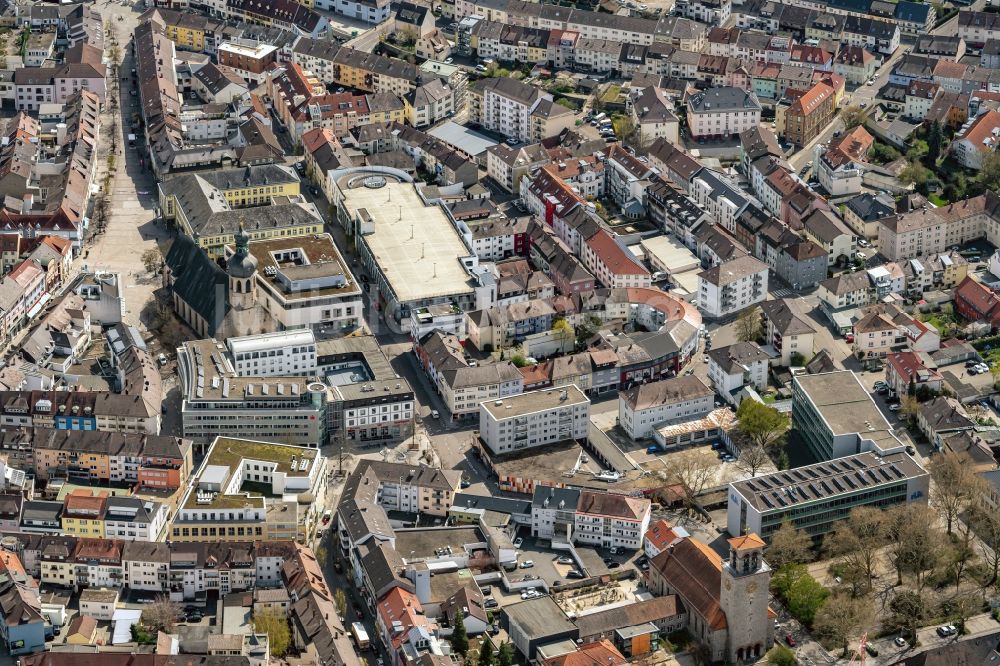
pixel 944 321
pixel 611 94
pixel 937 200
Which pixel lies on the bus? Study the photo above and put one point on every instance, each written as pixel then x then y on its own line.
pixel 360 635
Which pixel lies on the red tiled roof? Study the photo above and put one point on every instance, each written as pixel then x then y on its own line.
pixel 812 100
pixel 660 534
pixel 599 653
pixel 613 256
pixel 694 571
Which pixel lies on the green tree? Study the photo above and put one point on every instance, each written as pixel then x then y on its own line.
pixel 918 149
pixel 789 545
pixel 989 171
pixel 852 116
pixel 935 139
pixel 563 331
pixel 506 655
pixel 275 625
pixel 340 599
pixel 915 174
pixel 803 595
pixel 779 655
pixel 459 637
pixel 765 426
pixel 485 654
pixel 518 360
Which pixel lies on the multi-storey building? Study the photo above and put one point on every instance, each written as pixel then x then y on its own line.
pixel 722 112
pixel 613 266
pixel 835 416
pixel 516 110
pixel 534 419
pixel 222 500
pixel 736 366
pixel 801 120
pixel 731 286
pixel 815 498
pixel 594 518
pixel 641 409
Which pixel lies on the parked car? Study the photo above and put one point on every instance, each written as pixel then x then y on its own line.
pixel 518 541
pixel 565 559
pixel 526 564
pixel 909 449
pixel 653 448
pixel 162 359
pixel 435 414
pixel 573 573
pixel 614 565
pixel 895 407
pixel 490 602
pixel 899 641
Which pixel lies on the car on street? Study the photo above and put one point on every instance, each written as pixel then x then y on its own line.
pixel 565 559
pixel 435 414
pixel 895 407
pixel 526 564
pixel 899 641
pixel 652 449
pixel 195 617
pixel 518 541
pixel 614 565
pixel 910 450
pixel 162 359
pixel 613 550
pixel 943 631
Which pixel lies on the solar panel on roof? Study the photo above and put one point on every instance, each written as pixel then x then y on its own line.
pixel 826 488
pixel 873 475
pixel 815 492
pixel 751 486
pixel 812 473
pixel 849 481
pixel 861 479
pixel 780 499
pixel 858 463
pixel 766 501
pixel 764 483
pixel 896 471
pixel 885 473
pixel 836 484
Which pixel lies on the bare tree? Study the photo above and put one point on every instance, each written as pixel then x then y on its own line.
pixel 916 546
pixel 693 470
pixel 987 527
pixel 789 545
pixel 161 614
pixel 752 458
pixel 909 408
pixel 748 325
pixel 858 541
pixel 841 618
pixel 956 485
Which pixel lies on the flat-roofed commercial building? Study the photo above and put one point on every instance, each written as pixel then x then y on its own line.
pixel 534 419
pixel 233 491
pixel 816 496
pixel 834 416
pixel 412 251
pixel 216 400
pixel 238 483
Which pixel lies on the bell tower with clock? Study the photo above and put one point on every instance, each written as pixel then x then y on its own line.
pixel 744 597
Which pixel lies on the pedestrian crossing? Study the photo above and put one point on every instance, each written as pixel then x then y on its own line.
pixel 783 292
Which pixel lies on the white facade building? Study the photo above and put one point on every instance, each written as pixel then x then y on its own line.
pixel 731 286
pixel 738 365
pixel 274 354
pixel 642 408
pixel 534 419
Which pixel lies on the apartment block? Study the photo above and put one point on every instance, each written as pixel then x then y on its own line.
pixel 534 419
